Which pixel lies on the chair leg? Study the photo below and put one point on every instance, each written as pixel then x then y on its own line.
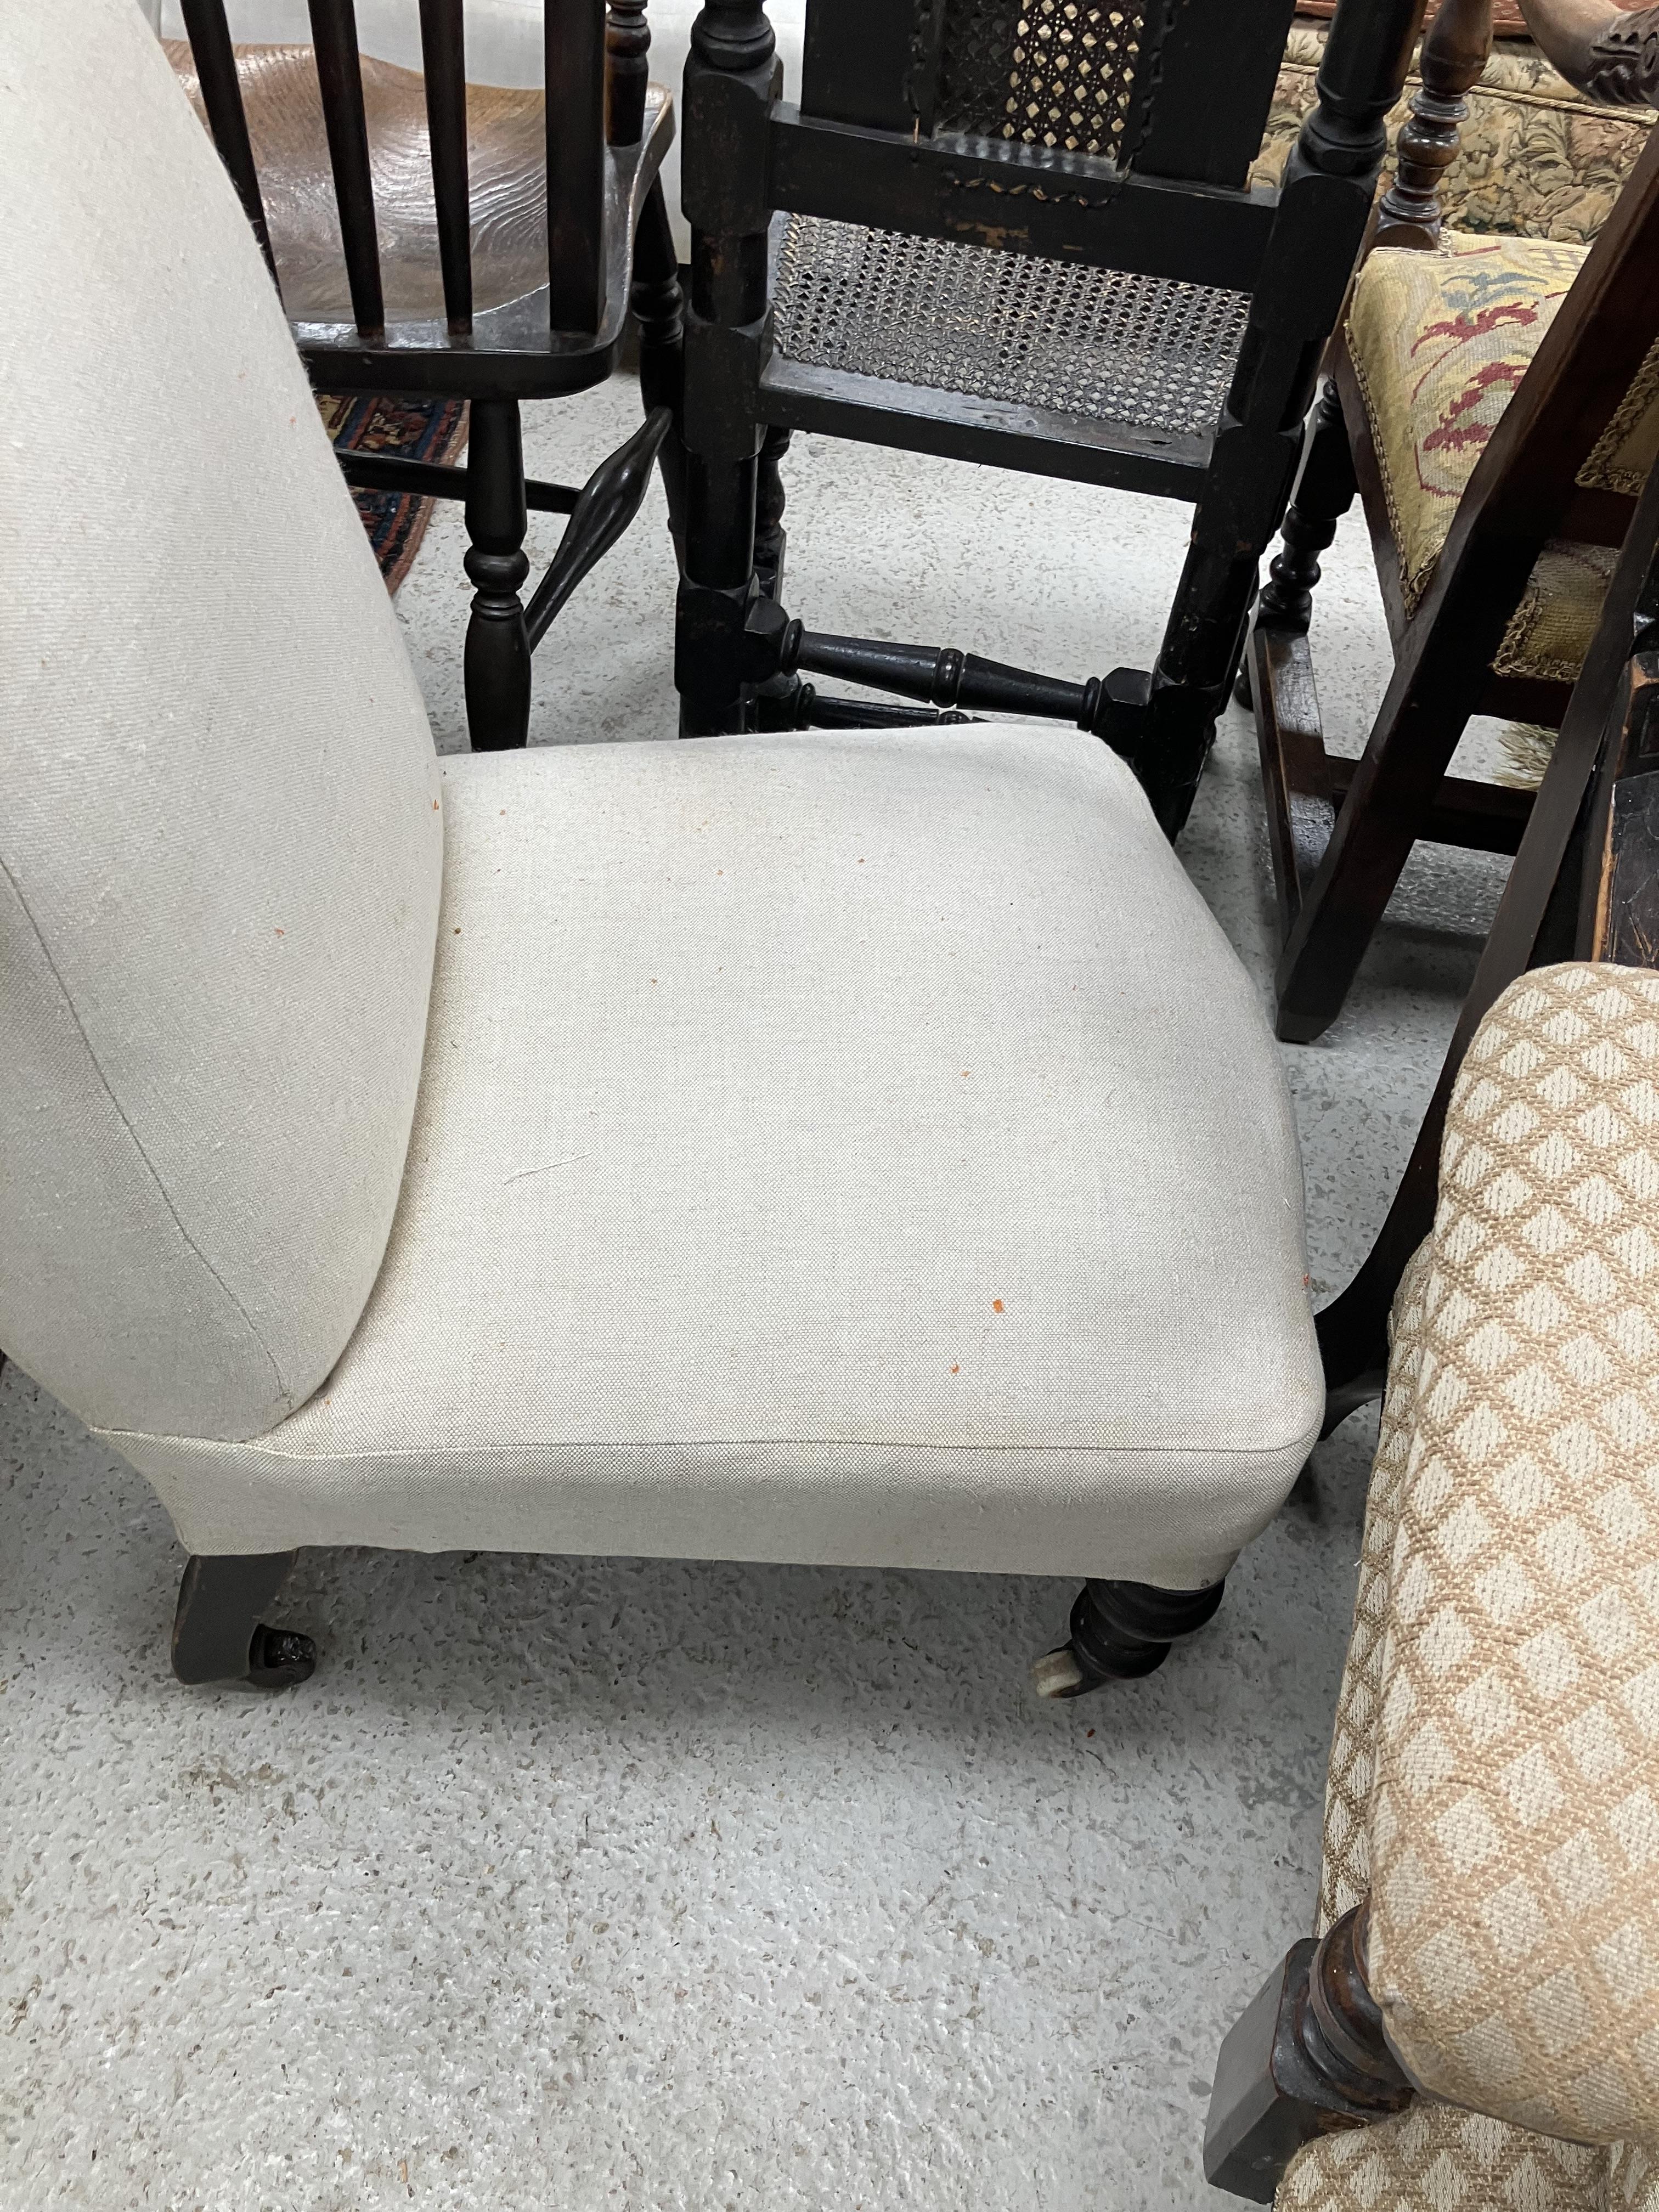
pixel 1242 505
pixel 1307 2056
pixel 217 1633
pixel 497 659
pixel 1119 1631
pixel 1325 490
pixel 1277 676
pixel 1423 715
pixel 770 502
pixel 729 73
pixel 658 306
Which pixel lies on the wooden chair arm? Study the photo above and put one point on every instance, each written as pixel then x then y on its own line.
pixel 1610 54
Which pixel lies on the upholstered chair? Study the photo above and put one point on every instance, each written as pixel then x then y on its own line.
pixel 1479 2027
pixel 834 1147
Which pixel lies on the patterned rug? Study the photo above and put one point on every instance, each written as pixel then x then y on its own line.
pixel 415 431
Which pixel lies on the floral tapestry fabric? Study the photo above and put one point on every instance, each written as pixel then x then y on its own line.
pixel 1440 343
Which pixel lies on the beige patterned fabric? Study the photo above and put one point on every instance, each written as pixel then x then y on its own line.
pixel 1494 1773
pixel 1430 2158
pixel 1534 156
pixel 1514 1815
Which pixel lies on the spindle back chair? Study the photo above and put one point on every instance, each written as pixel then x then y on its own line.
pixel 1023 237
pixel 480 245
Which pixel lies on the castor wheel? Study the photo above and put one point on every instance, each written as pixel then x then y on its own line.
pixel 279 1657
pixel 217 1633
pixel 1119 1631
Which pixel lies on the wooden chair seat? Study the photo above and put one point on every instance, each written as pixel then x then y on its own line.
pixel 507 164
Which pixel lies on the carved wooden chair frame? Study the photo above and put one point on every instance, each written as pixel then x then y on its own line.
pixel 863 148
pixel 1340 830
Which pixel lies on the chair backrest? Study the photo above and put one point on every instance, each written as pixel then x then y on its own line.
pixel 595 97
pixel 1176 89
pixel 220 841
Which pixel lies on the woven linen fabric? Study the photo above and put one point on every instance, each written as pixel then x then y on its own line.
pixel 858 1148
pixel 1440 343
pixel 1534 156
pixel 220 851
pixel 1514 1816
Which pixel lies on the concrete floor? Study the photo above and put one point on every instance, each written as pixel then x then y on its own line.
pixel 637 1885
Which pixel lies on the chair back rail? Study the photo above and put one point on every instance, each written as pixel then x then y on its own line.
pixel 340 79
pixel 222 96
pixel 596 75
pixel 443 55
pixel 575 31
pixel 1168 87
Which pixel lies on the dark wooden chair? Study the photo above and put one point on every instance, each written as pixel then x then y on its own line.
pixel 1312 2054
pixel 1022 239
pixel 1543 496
pixel 434 237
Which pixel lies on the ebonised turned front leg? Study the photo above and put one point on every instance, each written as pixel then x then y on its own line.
pixel 217 1633
pixel 1120 1630
pixel 497 659
pixel 732 81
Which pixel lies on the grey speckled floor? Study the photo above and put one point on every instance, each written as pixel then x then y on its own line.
pixel 595 1883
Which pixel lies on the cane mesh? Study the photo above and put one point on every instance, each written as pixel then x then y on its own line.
pixel 1054 73
pixel 1136 350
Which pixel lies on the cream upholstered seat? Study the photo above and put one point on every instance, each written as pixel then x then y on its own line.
pixel 808 1166
pixel 853 1147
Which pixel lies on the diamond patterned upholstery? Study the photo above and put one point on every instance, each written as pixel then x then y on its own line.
pixel 1494 1774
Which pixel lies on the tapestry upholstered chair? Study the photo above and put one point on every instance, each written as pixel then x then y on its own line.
pixel 1023 238
pixel 857 1147
pixel 444 239
pixel 1493 401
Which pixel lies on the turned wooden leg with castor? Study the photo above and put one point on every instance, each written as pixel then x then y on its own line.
pixel 1119 1631
pixel 217 1633
pixel 1309 2056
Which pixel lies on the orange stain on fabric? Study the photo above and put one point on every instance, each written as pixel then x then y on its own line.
pixel 996 1306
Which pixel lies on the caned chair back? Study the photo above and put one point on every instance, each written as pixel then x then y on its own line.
pixel 221 840
pixel 1170 88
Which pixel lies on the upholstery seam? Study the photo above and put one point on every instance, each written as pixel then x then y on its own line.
pixel 166 1200
pixel 706 1444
